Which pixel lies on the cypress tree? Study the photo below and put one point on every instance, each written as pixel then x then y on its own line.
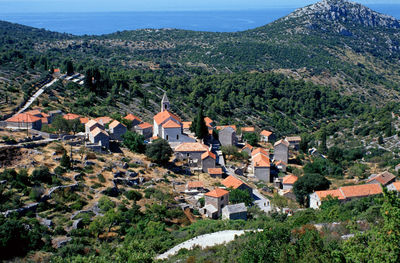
pixel 201 129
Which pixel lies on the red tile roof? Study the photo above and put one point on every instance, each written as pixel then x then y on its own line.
pixel 396 185
pixel 115 124
pixel 247 146
pixel 84 120
pixel 293 139
pixel 71 116
pixel 261 161
pixel 222 127
pixel 44 120
pixel 195 184
pixel 383 178
pixel 280 163
pixel 104 120
pixel 284 142
pixel 290 179
pixel 232 182
pixel 191 147
pixel 186 124
pixel 145 125
pixel 35 112
pixel 266 133
pixel 248 129
pixel 217 192
pixel 361 190
pixel 333 193
pixel 208 120
pixel 215 171
pixel 162 116
pixel 23 118
pixel 56 70
pixel 132 117
pixel 208 154
pixel 171 124
pixel 259 151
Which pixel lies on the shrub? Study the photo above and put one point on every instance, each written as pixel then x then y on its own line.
pixel 133 195
pixel 42 175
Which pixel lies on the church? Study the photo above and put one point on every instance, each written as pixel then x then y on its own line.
pixel 168 126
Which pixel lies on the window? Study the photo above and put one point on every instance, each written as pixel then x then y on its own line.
pixel 167 138
pixel 188 154
pixel 177 137
pixel 222 198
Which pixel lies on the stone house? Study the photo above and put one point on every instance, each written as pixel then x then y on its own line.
pixel 235 183
pixel 384 179
pixel 91 125
pixel 266 136
pixel 208 161
pixel 117 129
pixel 192 151
pixel 145 129
pixel 294 142
pixel 344 193
pixel 281 165
pixel 281 151
pixel 394 186
pixel 215 172
pixel 288 181
pixel 134 119
pixel 227 136
pixel 217 198
pixel 262 167
pixel 99 137
pixel 247 148
pixel 24 121
pixel 235 212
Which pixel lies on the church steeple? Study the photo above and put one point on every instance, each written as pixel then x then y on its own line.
pixel 164 103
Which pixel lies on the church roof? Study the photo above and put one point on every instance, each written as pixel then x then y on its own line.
pixel 165 98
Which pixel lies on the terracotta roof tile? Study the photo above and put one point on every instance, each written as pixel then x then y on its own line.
pixel 217 192
pixel 191 147
pixel 186 124
pixel 361 190
pixel 290 179
pixel 23 118
pixel 396 185
pixel 247 146
pixel 208 154
pixel 333 193
pixel 132 117
pixel 280 163
pixel 71 116
pixel 162 116
pixel 261 161
pixel 91 123
pixel 104 120
pixel 171 124
pixel 232 182
pixel 248 129
pixel 44 120
pixel 266 133
pixel 145 125
pixel 35 112
pixel 215 171
pixel 195 184
pixel 284 142
pixel 383 178
pixel 293 139
pixel 259 151
pixel 225 126
pixel 97 131
pixel 115 124
pixel 208 121
pixel 84 120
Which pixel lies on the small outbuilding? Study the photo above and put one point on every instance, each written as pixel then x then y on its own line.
pixel 235 212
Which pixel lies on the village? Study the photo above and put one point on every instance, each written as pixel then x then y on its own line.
pixel 265 165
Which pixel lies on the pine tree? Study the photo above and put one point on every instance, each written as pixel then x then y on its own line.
pixel 65 161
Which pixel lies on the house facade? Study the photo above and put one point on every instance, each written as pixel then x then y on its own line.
pixel 99 137
pixel 24 121
pixel 145 129
pixel 235 183
pixel 234 212
pixel 191 151
pixel 207 161
pixel 281 151
pixel 288 181
pixel 227 136
pixel 117 129
pixel 217 198
pixel 134 119
pixel 384 179
pixel 265 136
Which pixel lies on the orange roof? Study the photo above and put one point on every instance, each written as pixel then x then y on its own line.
pixel 217 192
pixel 44 120
pixel 232 182
pixel 56 70
pixel 208 120
pixel 35 112
pixel 284 142
pixel 293 139
pixel 248 129
pixel 154 138
pixel 333 193
pixel 396 185
pixel 280 162
pixel 259 150
pixel 195 184
pixel 132 117
pixel 145 125
pixel 104 120
pixel 383 178
pixel 215 171
pixel 290 179
pixel 91 123
pixel 97 131
pixel 84 120
pixel 222 127
pixel 186 124
pixel 171 124
pixel 162 116
pixel 23 118
pixel 115 124
pixel 71 116
pixel 361 190
pixel 266 133
pixel 208 153
pixel 247 146
pixel 261 161
pixel 191 147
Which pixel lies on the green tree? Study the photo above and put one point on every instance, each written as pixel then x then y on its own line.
pixel 134 142
pixel 251 138
pixel 133 195
pixel 65 161
pixel 237 196
pixel 159 151
pixel 70 67
pixel 307 184
pixel 199 126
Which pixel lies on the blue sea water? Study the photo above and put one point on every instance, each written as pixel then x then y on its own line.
pixel 97 23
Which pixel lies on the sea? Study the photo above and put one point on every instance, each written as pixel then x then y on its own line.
pixel 98 23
